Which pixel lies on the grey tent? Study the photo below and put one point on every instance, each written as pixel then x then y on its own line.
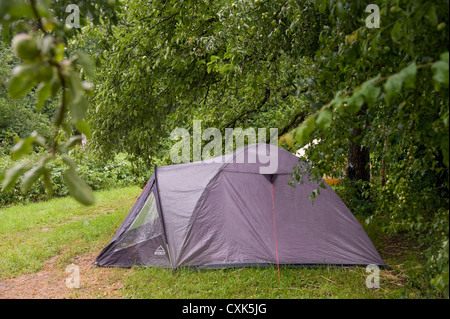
pixel 226 213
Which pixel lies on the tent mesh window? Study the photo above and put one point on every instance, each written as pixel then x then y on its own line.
pixel 147 225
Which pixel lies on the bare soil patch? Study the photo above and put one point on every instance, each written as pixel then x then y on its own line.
pixel 50 282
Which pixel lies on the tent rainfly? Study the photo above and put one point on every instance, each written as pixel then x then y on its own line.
pixel 225 213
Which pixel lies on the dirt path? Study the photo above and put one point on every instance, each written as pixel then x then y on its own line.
pixel 50 282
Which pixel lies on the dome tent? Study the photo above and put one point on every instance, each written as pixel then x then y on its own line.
pixel 226 213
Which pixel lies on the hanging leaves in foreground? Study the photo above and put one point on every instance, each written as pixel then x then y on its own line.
pixel 78 188
pixel 45 68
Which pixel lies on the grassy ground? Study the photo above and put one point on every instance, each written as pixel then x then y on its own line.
pixel 38 241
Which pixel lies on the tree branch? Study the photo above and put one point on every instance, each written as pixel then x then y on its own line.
pixel 295 121
pixel 242 115
pixel 38 18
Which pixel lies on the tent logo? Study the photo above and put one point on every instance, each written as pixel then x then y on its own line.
pixel 160 251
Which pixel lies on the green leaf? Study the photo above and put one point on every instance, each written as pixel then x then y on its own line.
pixel 19 86
pixel 393 85
pixel 431 15
pixel 59 51
pixel 23 147
pixel 32 176
pixel 55 86
pixel 73 141
pixel 324 119
pixel 78 109
pixel 289 139
pixel 406 76
pixel 18 9
pixel 409 75
pixel 39 140
pixel 211 64
pixel 355 102
pixel 48 183
pixel 47 44
pixel 84 128
pixel 78 102
pixel 396 32
pixel 78 188
pixel 43 92
pixel 44 73
pixel 70 162
pixel 303 132
pixel 22 81
pixel 371 93
pixel 440 71
pixel 12 175
pixel 87 64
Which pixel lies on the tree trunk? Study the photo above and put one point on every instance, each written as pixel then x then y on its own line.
pixel 383 168
pixel 358 160
pixel 358 168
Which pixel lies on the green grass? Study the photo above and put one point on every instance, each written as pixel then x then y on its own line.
pixel 32 234
pixel 254 283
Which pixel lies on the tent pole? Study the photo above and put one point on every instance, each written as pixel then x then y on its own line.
pixel 162 218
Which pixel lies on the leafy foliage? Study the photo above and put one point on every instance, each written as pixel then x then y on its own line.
pixel 18 118
pixel 228 64
pixel 393 89
pixel 46 68
pixel 120 171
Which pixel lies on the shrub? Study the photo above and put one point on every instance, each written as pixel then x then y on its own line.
pixel 98 173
